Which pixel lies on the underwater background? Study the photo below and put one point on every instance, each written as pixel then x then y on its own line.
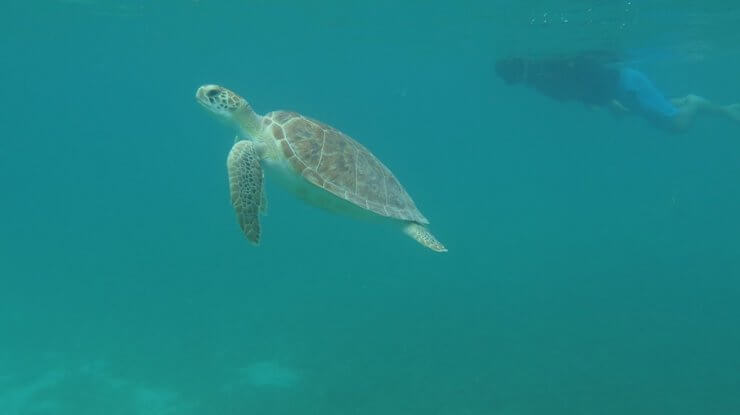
pixel 593 261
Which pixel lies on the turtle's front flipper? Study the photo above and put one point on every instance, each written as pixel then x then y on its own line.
pixel 245 183
pixel 423 236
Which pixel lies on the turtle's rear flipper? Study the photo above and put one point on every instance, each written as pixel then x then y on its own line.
pixel 423 236
pixel 245 183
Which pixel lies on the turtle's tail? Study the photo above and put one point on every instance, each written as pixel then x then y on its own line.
pixel 423 236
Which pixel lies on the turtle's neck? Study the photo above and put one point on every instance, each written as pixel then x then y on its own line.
pixel 248 121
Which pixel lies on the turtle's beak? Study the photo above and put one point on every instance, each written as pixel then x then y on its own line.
pixel 208 91
pixel 205 95
pixel 200 94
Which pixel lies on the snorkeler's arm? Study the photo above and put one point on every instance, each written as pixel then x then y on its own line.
pixel 618 107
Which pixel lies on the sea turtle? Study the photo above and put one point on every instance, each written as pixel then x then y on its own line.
pixel 317 162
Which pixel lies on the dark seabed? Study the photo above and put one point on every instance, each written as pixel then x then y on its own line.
pixel 593 264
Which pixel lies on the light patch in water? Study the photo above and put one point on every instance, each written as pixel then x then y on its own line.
pixel 270 373
pixel 48 393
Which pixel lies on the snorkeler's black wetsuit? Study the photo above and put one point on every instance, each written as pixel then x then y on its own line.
pixel 574 79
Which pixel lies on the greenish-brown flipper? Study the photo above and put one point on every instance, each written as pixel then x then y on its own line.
pixel 245 183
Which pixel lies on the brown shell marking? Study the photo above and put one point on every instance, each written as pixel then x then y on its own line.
pixel 335 162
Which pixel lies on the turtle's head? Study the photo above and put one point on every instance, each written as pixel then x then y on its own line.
pixel 228 106
pixel 221 101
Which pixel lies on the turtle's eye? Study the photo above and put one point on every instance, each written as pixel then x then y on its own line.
pixel 212 93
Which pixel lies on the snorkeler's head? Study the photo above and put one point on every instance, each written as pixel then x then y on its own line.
pixel 510 70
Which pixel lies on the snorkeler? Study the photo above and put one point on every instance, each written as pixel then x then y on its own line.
pixel 595 79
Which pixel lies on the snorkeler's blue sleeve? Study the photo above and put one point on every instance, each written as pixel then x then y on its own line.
pixel 637 93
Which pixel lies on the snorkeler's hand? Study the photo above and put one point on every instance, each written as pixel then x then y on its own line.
pixel 617 106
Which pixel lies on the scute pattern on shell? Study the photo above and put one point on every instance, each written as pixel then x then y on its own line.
pixel 335 162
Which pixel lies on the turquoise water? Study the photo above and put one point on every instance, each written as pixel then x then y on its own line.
pixel 593 260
